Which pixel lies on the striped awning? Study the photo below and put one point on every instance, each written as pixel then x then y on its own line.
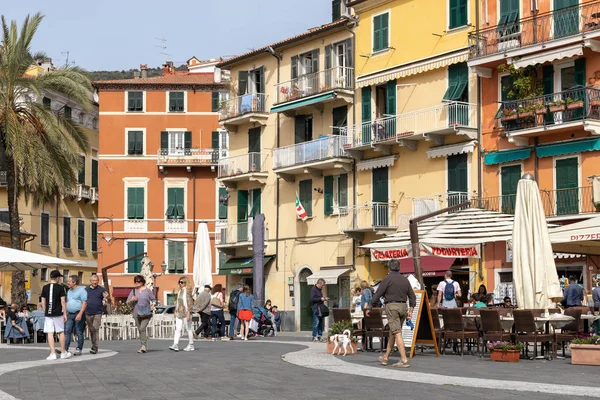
pixel 412 68
pixel 562 256
pixel 451 149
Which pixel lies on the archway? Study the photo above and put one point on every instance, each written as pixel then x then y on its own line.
pixel 303 308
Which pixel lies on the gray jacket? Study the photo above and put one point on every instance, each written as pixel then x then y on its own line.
pixel 596 296
pixel 203 302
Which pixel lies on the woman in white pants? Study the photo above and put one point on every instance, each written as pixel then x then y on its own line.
pixel 183 314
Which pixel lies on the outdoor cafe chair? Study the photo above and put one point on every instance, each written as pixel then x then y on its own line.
pixel 491 327
pixel 569 331
pixel 437 328
pixel 374 327
pixel 454 328
pixel 527 331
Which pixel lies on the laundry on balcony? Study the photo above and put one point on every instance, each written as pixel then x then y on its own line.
pixel 246 103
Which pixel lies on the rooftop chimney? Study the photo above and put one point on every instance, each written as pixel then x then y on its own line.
pixel 144 69
pixel 168 68
pixel 136 74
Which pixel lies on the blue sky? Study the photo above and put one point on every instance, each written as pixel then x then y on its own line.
pixel 112 34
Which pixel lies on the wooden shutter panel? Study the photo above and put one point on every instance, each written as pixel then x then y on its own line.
pixel 171 199
pixel 94 173
pixel 215 101
pixel 377 33
pixel 580 72
pixel 462 12
pixel 139 142
pixel 223 203
pixel 254 140
pixel 164 140
pixel 187 140
pixel 306 196
pixel 390 94
pixel 349 54
pixel 215 140
pixel 81 177
pixel 261 80
pixel 131 251
pixel 131 202
pixel 180 260
pixel 366 104
pixel 385 18
pixel 131 136
pixel 328 197
pixel 299 129
pixel 315 60
pixel 255 203
pixel 94 236
pixel 548 85
pixel 294 67
pixel 336 10
pixel 242 82
pixel 242 206
pixel 172 250
pixel 139 208
pixel 66 232
pixel 328 65
pixel 343 189
pixel 453 14
pixel 179 203
pixel 80 235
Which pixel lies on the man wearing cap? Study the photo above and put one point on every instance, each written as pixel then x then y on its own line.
pixel 55 313
pixel 397 290
pixel 203 307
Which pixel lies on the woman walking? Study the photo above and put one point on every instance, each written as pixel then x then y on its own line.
pixel 183 314
pixel 216 312
pixel 245 304
pixel 142 301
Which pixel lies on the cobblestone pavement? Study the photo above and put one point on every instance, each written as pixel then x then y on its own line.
pixel 256 370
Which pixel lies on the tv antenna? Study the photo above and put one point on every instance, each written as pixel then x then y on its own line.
pixel 162 46
pixel 67 63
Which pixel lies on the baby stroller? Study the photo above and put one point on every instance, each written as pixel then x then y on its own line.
pixel 261 324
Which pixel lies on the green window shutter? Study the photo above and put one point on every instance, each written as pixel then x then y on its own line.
pixel 376 33
pixel 385 31
pixel 261 80
pixel 215 140
pixel 390 94
pixel 343 190
pixel 131 136
pixel 242 212
pixel 179 248
pixel 179 203
pixel 458 80
pixel 328 58
pixel 134 248
pixel 328 196
pixel 164 141
pixel 336 10
pixel 463 12
pixel 94 173
pixel 457 173
pixel 567 175
pixel 380 186
pixel 510 179
pixel 242 82
pixel 299 129
pixel 139 207
pixel 580 72
pixel 80 235
pixel 254 141
pixel 294 73
pixel 339 118
pixel 67 232
pixel 139 142
pixel 215 101
pixel 81 176
pixel 131 202
pixel 172 253
pixel 548 79
pixel 187 140
pixel 453 14
pixel 94 236
pixel 458 13
pixel 223 203
pixel 315 60
pixel 171 200
pixel 506 83
pixel 366 104
pixel 255 203
pixel 305 189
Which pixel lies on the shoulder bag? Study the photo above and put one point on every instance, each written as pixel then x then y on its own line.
pixel 216 302
pixel 142 311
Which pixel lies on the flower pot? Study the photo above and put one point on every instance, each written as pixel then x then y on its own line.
pixel 509 117
pixel 557 108
pixel 595 103
pixel 585 354
pixel 330 347
pixel 525 114
pixel 575 105
pixel 505 355
pixel 541 111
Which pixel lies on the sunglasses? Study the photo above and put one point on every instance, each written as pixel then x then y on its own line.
pixel 137 281
pixel 181 282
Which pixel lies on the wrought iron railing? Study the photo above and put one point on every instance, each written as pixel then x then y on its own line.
pixel 550 109
pixel 542 28
pixel 375 215
pixel 324 148
pixel 237 233
pixel 242 164
pixel 314 83
pixel 187 156
pixel 427 204
pixel 244 104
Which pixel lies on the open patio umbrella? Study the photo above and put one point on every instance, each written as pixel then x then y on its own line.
pixel 202 258
pixel 18 260
pixel 534 271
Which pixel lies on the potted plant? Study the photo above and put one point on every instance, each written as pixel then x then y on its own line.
pixel 505 351
pixel 557 106
pixel 526 111
pixel 508 114
pixel 585 350
pixel 338 328
pixel 573 104
pixel 540 108
pixel 595 102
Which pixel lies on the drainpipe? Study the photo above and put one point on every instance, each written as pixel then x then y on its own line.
pixel 194 229
pixel 479 117
pixel 57 229
pixel 535 159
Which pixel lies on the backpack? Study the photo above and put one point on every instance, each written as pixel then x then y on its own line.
pixel 449 291
pixel 233 299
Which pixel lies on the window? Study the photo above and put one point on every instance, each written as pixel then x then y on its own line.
pixel 94 173
pixel 80 118
pixel 458 80
pixel 81 177
pixel 336 193
pixel 135 101
pixel 567 183
pixel 215 102
pixel 303 130
pixel 175 254
pixel 135 142
pixel 305 195
pixel 45 234
pixel 44 274
pixel 94 236
pixel 46 102
pixel 66 274
pixel 68 112
pixel 175 203
pixel 80 235
pixel 94 123
pixel 508 23
pixel 223 199
pixel 338 10
pixel 135 203
pixel 176 101
pixel 171 298
pixel 80 276
pixel 4 217
pixel 458 13
pixel 175 143
pixel 67 232
pixel 340 119
pixel 381 32
pixel 251 82
pixel 134 266
pixel 509 179
pixel 458 179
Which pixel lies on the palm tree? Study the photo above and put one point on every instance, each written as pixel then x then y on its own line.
pixel 41 146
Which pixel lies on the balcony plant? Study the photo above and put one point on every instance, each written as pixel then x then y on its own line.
pixel 540 108
pixel 573 104
pixel 556 106
pixel 505 351
pixel 526 111
pixel 509 114
pixel 337 329
pixel 585 349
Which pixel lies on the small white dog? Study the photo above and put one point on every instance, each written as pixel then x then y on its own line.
pixel 340 341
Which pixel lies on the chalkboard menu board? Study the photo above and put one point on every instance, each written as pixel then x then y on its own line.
pixel 423 331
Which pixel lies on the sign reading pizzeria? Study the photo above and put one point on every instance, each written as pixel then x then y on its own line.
pixel 426 250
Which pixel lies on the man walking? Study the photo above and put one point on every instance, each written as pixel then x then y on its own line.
pixel 317 300
pixel 396 290
pixel 448 291
pixel 203 307
pixel 233 301
pixel 55 312
pixel 76 304
pixel 93 312
pixel 596 297
pixel 573 295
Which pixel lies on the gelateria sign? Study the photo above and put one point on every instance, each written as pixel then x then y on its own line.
pixel 396 253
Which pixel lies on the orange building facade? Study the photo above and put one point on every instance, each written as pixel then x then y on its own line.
pixel 538 63
pixel 159 146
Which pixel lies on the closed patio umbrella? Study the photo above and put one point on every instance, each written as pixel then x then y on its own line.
pixel 202 258
pixel 534 271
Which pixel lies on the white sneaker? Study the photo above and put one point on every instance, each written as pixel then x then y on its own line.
pixel 66 354
pixel 189 347
pixel 51 357
pixel 174 347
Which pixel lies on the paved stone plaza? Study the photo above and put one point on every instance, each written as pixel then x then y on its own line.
pixel 286 367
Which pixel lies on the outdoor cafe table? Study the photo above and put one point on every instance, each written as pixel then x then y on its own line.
pixel 556 320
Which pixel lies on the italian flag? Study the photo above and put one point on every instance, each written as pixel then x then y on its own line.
pixel 300 211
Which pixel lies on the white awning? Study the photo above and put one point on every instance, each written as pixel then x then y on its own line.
pixel 17 260
pixel 547 56
pixel 329 275
pixel 578 238
pixel 376 163
pixel 562 256
pixel 428 64
pixel 451 149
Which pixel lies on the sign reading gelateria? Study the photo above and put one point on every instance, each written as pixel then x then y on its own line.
pixel 426 250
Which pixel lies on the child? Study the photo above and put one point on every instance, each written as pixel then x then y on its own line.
pixel 477 301
pixel 276 318
pixel 356 301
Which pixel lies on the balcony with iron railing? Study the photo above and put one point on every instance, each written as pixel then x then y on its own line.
pixel 557 203
pixel 355 221
pixel 430 123
pixel 314 88
pixel 423 205
pixel 513 36
pixel 192 157
pixel 245 167
pixel 244 109
pixel 551 112
pixel 232 236
pixel 314 156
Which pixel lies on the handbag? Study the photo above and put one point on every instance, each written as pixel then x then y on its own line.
pixel 216 302
pixel 322 310
pixel 143 312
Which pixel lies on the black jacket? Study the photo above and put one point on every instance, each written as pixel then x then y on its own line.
pixel 315 296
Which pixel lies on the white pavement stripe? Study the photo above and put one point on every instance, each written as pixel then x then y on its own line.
pixel 313 357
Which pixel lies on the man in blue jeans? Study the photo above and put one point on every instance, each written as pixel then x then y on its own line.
pixel 316 299
pixel 233 301
pixel 76 304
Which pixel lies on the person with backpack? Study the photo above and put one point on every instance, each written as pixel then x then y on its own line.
pixel 448 291
pixel 234 297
